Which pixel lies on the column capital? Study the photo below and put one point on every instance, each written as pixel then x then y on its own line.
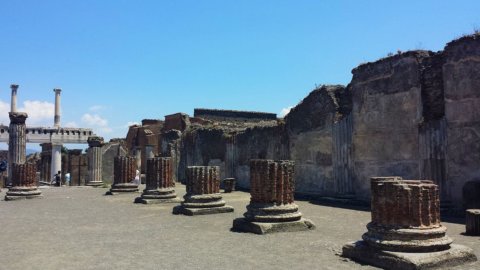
pixel 14 87
pixel 18 117
pixel 95 141
pixel 57 90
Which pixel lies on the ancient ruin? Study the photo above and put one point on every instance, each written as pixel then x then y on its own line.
pixel 229 185
pixel 272 207
pixel 125 170
pixel 160 187
pixel 203 193
pixel 339 136
pixel 17 139
pixel 405 231
pixel 24 184
pixel 95 161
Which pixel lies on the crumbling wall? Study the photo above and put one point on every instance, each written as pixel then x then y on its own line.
pixel 109 151
pixel 270 142
pixel 461 78
pixel 313 127
pixel 387 111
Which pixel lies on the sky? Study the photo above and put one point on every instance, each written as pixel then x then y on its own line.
pixel 118 62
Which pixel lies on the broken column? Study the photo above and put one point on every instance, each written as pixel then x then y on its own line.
pixel 405 232
pixel 24 184
pixel 17 140
pixel 272 207
pixel 160 187
pixel 472 222
pixel 95 159
pixel 124 173
pixel 203 192
pixel 13 102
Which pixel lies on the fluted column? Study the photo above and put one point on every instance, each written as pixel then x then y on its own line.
pixel 17 141
pixel 405 216
pixel 95 159
pixel 405 231
pixel 159 182
pixel 203 192
pixel 24 184
pixel 123 175
pixel 272 207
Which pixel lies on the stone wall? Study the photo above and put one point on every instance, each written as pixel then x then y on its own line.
pixel 110 150
pixel 461 78
pixel 413 114
pixel 231 115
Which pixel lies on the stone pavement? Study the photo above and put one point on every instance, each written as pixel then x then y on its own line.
pixel 80 228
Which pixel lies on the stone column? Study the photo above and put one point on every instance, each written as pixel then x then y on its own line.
pixel 56 163
pixel 13 102
pixel 56 120
pixel 17 141
pixel 46 162
pixel 124 173
pixel 95 159
pixel 24 184
pixel 203 192
pixel 138 157
pixel 472 222
pixel 272 207
pixel 405 229
pixel 159 179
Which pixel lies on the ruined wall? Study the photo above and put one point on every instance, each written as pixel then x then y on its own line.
pixel 387 111
pixel 270 142
pixel 110 150
pixel 461 77
pixel 320 141
pixel 231 115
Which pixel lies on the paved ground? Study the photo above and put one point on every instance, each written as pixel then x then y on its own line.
pixel 79 228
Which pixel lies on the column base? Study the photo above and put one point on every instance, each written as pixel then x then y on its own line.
pixel 95 183
pixel 153 196
pixel 177 210
pixel 122 188
pixel 455 255
pixel 243 225
pixel 22 193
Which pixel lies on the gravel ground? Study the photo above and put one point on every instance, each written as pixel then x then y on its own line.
pixel 80 228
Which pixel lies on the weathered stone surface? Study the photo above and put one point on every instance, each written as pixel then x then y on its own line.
pixel 272 207
pixel 159 182
pixel 17 140
pixel 124 174
pixel 472 221
pixel 203 193
pixel 95 161
pixel 229 185
pixel 24 184
pixel 456 255
pixel 462 100
pixel 405 232
pixel 110 151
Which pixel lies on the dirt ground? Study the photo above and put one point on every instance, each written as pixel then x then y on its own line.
pixel 80 228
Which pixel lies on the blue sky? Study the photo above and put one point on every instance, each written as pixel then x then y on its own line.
pixel 121 61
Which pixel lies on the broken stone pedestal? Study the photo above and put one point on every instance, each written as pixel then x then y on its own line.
pixel 160 186
pixel 95 161
pixel 472 221
pixel 24 183
pixel 229 185
pixel 272 207
pixel 203 193
pixel 125 170
pixel 405 232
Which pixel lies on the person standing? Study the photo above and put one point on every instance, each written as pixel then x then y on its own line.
pixel 67 179
pixel 58 179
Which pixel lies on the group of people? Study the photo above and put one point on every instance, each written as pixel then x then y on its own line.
pixel 57 179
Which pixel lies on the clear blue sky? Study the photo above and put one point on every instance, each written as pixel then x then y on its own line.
pixel 122 61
